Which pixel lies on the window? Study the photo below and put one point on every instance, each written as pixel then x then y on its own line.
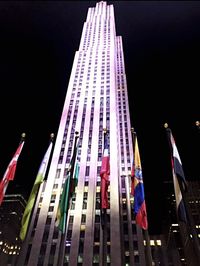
pixel 83 219
pixel 53 249
pixel 51 208
pixel 48 221
pixel 71 219
pixel 43 249
pixel 87 171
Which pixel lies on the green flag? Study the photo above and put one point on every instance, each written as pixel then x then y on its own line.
pixel 63 206
pixel 39 179
pixel 68 190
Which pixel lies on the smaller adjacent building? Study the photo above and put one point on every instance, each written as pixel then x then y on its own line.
pixel 11 212
pixel 183 240
pixel 175 247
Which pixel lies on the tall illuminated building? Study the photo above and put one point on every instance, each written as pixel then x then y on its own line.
pixel 96 98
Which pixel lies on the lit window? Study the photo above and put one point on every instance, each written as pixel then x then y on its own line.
pixel 152 243
pixel 158 242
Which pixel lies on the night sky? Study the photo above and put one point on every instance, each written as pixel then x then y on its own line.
pixel 161 41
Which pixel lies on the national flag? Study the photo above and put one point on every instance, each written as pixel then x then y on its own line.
pixel 139 198
pixel 38 181
pixel 178 178
pixel 68 190
pixel 104 174
pixel 10 171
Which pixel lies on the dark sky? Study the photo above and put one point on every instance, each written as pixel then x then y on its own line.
pixel 161 41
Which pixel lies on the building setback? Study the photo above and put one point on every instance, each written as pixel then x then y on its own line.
pixel 96 99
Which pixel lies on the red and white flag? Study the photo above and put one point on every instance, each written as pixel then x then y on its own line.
pixel 10 172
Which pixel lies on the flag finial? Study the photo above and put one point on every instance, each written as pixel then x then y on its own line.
pixel 133 131
pixel 105 130
pixel 51 136
pixel 23 135
pixel 76 133
pixel 165 125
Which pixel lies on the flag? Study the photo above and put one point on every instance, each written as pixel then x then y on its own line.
pixel 178 175
pixel 61 215
pixel 10 171
pixel 104 174
pixel 39 179
pixel 139 198
pixel 67 192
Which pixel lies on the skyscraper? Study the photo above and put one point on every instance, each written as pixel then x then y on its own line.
pixel 96 99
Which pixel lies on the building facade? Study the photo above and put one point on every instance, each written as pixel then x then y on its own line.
pixel 159 250
pixel 11 211
pixel 96 99
pixel 183 241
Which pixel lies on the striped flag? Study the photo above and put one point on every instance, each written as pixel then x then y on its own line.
pixel 178 175
pixel 39 179
pixel 139 198
pixel 10 171
pixel 104 174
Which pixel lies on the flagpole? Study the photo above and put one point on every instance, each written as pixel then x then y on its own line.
pixel 191 224
pixel 133 137
pixel 104 227
pixel 23 135
pixel 64 235
pixel 146 234
pixel 103 216
pixel 133 133
pixel 104 237
pixel 62 244
pixel 148 248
